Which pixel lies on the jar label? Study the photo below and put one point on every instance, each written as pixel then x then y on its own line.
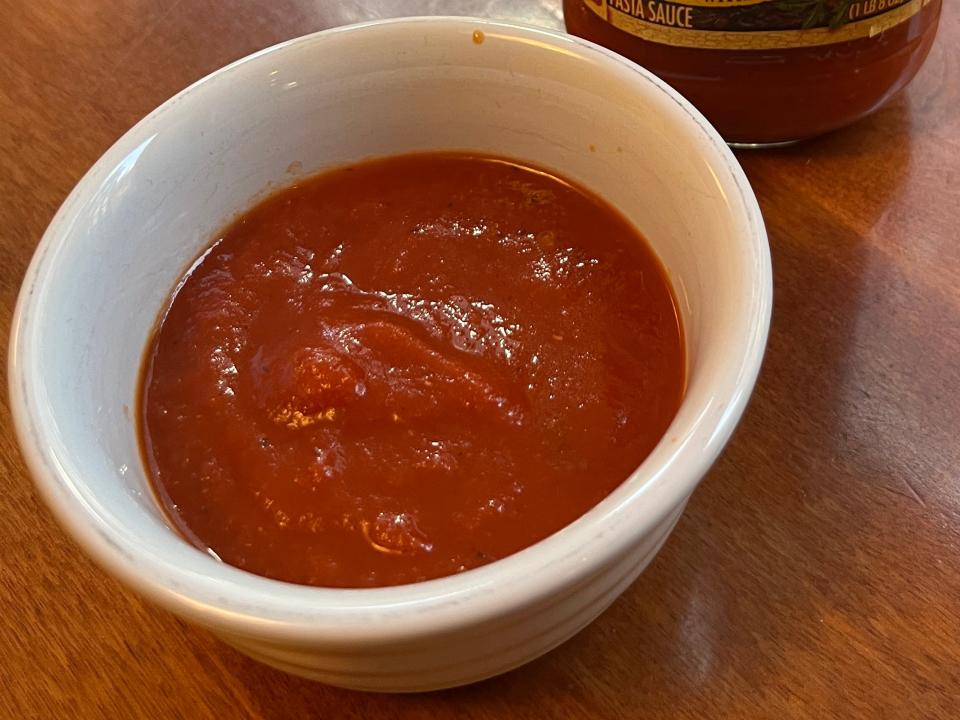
pixel 754 24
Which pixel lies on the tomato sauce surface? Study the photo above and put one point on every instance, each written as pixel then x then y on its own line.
pixel 408 368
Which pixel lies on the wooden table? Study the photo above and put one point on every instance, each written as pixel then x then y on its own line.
pixel 816 573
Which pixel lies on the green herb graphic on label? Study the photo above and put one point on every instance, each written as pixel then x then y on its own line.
pixel 817 13
pixel 754 24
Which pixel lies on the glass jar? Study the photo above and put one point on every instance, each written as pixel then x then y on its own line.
pixel 769 71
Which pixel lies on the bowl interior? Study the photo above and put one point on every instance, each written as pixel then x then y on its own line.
pixel 144 212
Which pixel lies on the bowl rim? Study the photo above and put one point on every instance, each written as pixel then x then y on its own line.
pixel 335 615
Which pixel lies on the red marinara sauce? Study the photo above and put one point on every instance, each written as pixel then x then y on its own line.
pixel 769 71
pixel 407 368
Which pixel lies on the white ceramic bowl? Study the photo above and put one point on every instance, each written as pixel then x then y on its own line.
pixel 139 217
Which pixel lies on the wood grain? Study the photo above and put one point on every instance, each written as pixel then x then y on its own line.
pixel 816 573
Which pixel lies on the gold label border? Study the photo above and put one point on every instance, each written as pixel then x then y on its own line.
pixel 756 39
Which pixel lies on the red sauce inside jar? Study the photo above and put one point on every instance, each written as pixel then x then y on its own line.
pixel 408 368
pixel 778 94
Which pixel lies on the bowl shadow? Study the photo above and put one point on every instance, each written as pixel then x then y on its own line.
pixel 744 607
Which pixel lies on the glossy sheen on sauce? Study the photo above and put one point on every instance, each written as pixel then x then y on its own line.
pixel 408 368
